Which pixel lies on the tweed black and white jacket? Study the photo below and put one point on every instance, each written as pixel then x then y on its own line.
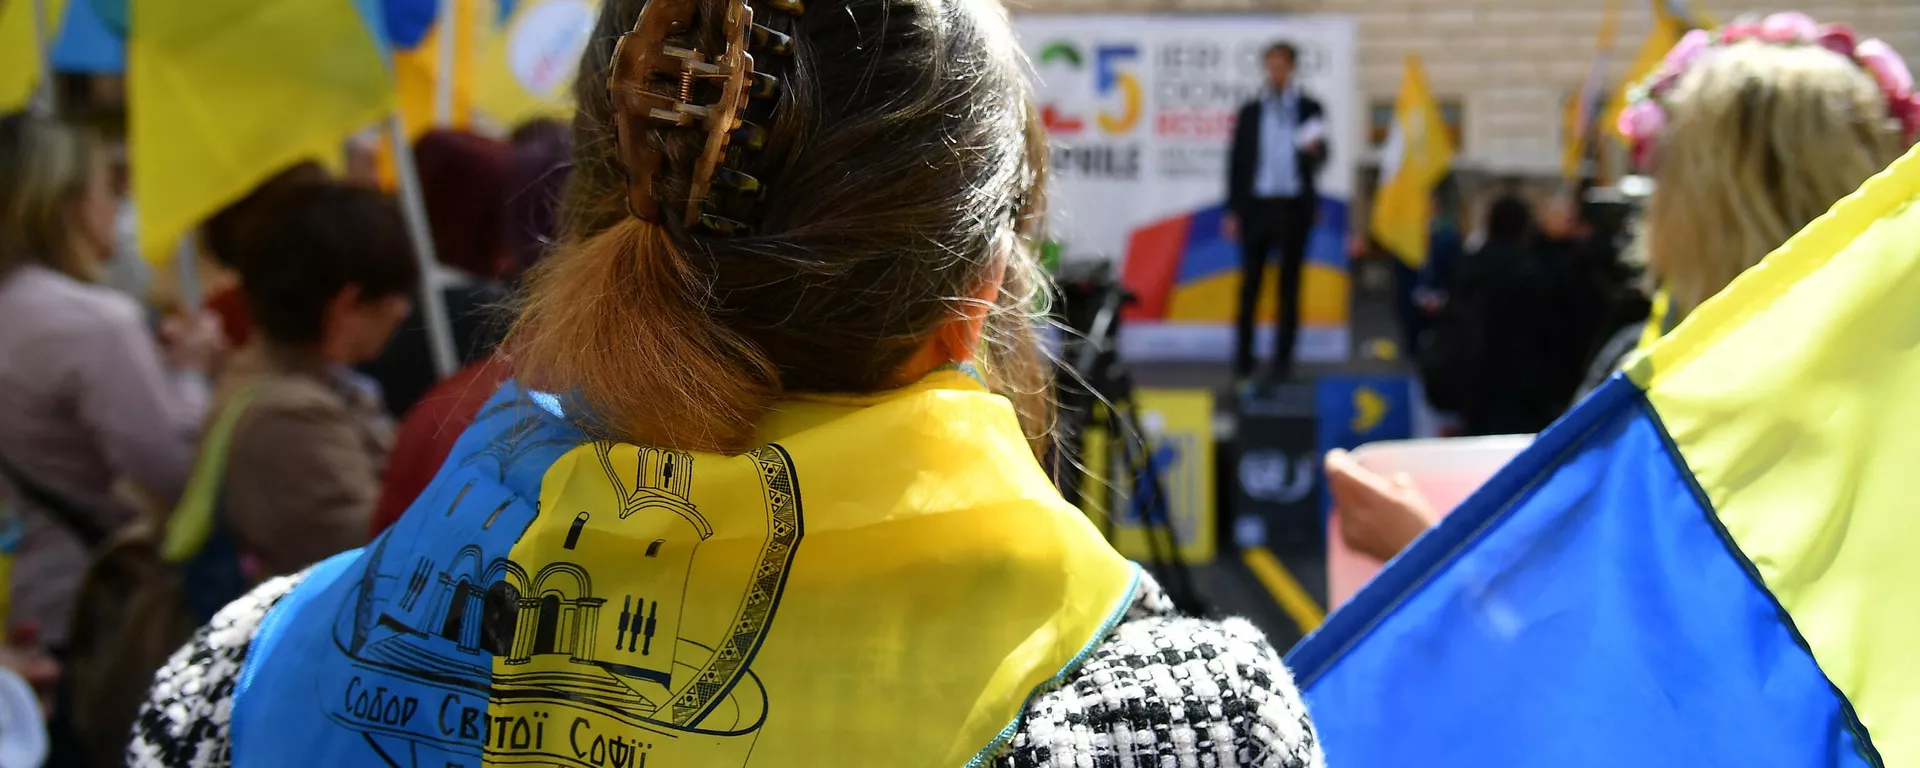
pixel 1161 690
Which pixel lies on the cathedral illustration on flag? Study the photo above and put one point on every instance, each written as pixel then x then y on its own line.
pixel 498 622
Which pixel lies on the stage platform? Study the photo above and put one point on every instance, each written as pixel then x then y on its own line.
pixel 1284 593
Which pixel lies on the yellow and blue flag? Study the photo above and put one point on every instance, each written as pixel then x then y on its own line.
pixel 225 93
pixel 886 581
pixel 1708 562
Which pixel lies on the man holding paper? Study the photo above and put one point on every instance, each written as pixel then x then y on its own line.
pixel 1279 146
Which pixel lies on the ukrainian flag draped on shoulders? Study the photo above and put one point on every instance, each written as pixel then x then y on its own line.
pixel 885 582
pixel 1709 562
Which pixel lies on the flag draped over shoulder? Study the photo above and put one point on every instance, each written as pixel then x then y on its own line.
pixel 1708 562
pixel 1417 156
pixel 225 93
pixel 21 58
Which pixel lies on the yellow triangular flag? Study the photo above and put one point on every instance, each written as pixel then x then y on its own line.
pixel 1587 106
pixel 1417 156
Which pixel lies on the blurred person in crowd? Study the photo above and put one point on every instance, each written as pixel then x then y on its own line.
pixel 806 351
pixel 87 398
pixel 328 275
pixel 1279 147
pixel 541 154
pixel 221 235
pixel 463 179
pixel 1751 132
pixel 1512 343
pixel 1421 293
pixel 97 422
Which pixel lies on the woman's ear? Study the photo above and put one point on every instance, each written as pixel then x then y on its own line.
pixel 959 337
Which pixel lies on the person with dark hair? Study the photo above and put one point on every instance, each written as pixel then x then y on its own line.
pixel 463 180
pixel 1279 147
pixel 328 273
pixel 1513 340
pixel 542 157
pixel 765 490
pixel 221 235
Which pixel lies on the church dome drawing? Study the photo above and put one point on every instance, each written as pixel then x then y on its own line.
pixel 621 607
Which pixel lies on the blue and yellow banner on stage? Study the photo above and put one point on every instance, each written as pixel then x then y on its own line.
pixel 885 581
pixel 1173 511
pixel 1353 410
pixel 1709 562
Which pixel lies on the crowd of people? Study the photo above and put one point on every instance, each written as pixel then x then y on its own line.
pixel 841 270
pixel 1754 139
pixel 269 418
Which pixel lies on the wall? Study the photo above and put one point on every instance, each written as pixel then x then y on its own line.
pixel 1511 63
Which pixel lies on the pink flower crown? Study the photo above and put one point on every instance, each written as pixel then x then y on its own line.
pixel 1646 117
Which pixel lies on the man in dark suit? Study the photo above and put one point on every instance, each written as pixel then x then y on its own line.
pixel 1279 146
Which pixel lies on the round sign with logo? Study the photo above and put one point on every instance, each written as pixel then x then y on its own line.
pixel 545 43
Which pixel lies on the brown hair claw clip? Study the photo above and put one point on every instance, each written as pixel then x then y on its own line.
pixel 659 86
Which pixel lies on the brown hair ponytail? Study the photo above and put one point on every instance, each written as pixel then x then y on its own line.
pixel 621 328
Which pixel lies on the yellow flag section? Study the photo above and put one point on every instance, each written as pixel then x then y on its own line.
pixel 1794 396
pixel 886 583
pixel 1417 156
pixel 20 48
pixel 225 93
pixel 1586 108
pixel 527 66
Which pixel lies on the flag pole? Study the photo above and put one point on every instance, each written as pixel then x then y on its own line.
pixel 433 305
pixel 186 263
pixel 42 103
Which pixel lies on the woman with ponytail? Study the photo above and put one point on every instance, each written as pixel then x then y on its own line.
pixel 763 490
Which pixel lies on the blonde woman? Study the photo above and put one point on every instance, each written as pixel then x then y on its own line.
pixel 86 397
pixel 1750 133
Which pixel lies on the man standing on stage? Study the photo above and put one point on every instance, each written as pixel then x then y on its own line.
pixel 1279 146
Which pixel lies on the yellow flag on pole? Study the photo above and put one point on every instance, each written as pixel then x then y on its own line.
pixel 1671 21
pixel 21 53
pixel 1416 158
pixel 225 93
pixel 1587 106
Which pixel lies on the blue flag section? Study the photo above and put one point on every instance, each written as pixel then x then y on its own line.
pixel 1585 608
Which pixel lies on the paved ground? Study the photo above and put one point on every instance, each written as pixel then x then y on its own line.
pixel 1229 586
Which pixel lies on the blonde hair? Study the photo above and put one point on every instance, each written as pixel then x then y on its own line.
pixel 1762 140
pixel 45 167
